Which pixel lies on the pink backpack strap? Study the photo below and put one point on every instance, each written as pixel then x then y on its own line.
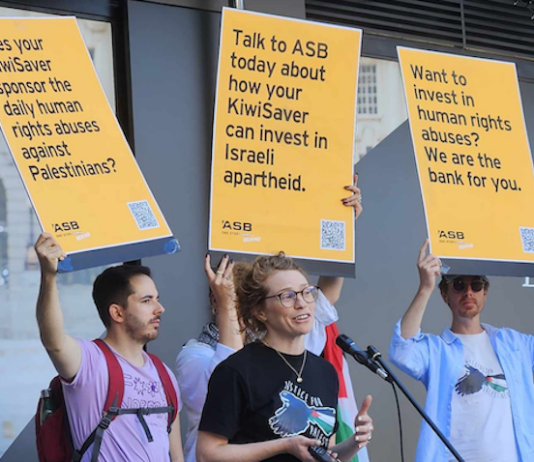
pixel 168 387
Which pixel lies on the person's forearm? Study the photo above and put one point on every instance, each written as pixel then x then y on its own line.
pixel 49 314
pixel 229 329
pixel 175 442
pixel 331 288
pixel 347 449
pixel 251 452
pixel 412 319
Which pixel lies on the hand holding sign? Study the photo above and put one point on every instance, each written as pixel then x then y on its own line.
pixel 356 199
pixel 429 267
pixel 49 253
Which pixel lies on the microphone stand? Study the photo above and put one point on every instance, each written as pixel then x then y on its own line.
pixel 375 355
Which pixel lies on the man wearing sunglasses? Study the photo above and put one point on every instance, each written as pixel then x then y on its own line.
pixel 480 391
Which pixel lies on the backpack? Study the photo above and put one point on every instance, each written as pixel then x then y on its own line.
pixel 53 437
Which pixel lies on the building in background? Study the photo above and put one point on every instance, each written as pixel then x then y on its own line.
pixel 157 60
pixel 381 104
pixel 21 352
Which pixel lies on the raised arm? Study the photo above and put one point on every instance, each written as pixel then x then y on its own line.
pixel 223 290
pixel 331 286
pixel 63 350
pixel 429 267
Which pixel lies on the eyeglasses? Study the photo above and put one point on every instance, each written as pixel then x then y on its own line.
pixel 459 285
pixel 289 298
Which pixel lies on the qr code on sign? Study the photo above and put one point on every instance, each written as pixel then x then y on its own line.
pixel 332 235
pixel 527 238
pixel 143 215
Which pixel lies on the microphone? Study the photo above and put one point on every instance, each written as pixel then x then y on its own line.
pixel 349 346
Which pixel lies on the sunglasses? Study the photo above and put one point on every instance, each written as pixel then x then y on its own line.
pixel 459 285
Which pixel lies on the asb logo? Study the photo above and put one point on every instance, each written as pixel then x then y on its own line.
pixel 236 226
pixel 65 226
pixel 312 49
pixel 451 234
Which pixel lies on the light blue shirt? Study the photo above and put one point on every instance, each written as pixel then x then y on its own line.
pixel 438 361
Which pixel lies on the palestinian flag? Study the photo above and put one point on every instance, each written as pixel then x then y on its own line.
pixel 346 408
pixel 324 418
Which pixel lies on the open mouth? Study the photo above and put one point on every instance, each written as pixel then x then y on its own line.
pixel 302 317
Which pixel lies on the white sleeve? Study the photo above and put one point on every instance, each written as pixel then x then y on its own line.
pixel 194 366
pixel 325 314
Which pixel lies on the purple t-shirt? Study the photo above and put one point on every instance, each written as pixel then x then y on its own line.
pixel 125 439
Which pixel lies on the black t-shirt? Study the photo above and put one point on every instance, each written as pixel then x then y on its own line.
pixel 254 396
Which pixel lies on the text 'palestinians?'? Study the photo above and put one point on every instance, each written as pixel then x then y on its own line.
pixel 71 170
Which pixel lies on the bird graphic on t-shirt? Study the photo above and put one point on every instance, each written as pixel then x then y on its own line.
pixel 473 381
pixel 295 416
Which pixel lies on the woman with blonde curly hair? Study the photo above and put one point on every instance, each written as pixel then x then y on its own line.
pixel 220 338
pixel 223 336
pixel 273 399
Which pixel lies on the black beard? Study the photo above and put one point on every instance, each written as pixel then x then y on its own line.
pixel 135 329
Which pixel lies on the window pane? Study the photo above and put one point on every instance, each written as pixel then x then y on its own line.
pixel 383 108
pixel 21 352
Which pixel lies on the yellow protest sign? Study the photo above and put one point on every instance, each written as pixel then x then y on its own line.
pixel 472 154
pixel 283 137
pixel 76 165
